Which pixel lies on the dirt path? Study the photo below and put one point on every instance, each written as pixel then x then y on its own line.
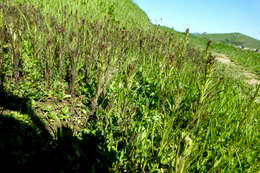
pixel 251 78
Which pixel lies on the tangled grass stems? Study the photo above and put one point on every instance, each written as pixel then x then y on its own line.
pixel 160 104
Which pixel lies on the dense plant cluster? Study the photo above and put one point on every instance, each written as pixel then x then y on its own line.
pixel 160 104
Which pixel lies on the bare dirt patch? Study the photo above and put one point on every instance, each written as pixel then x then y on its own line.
pixel 251 78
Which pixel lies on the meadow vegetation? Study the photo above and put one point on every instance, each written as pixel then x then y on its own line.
pixel 250 60
pixel 234 39
pixel 146 99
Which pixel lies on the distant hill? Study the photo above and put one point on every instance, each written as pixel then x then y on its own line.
pixel 235 39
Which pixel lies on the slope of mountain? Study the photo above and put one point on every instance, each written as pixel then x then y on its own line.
pixel 235 39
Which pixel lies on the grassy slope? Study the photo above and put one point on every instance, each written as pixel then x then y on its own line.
pixel 152 103
pixel 234 39
pixel 246 58
pixel 124 11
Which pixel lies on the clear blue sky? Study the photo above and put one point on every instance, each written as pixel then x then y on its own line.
pixel 211 16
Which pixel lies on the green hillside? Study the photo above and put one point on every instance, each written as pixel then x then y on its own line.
pixel 93 86
pixel 235 39
pixel 248 59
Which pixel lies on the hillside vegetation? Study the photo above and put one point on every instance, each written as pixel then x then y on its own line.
pixel 234 39
pixel 248 59
pixel 93 86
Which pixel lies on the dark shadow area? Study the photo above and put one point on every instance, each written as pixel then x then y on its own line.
pixel 22 148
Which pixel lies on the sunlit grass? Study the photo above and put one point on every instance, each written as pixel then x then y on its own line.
pixel 162 105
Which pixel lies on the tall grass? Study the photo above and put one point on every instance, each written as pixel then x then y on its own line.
pixel 162 105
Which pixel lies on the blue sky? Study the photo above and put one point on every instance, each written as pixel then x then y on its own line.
pixel 211 16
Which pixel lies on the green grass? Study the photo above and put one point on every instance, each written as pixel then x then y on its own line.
pixel 248 59
pixel 89 87
pixel 234 39
pixel 124 11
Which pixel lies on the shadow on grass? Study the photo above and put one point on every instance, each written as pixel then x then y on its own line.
pixel 23 148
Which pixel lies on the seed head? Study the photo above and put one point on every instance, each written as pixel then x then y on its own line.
pixel 171 38
pixel 187 31
pixel 73 33
pixel 211 60
pixel 131 69
pixel 83 21
pixel 209 43
pixel 104 45
pixel 141 43
pixel 49 42
pixel 60 29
